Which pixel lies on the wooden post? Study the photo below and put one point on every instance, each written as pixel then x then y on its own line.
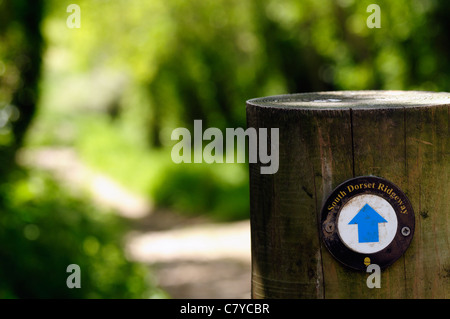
pixel 325 139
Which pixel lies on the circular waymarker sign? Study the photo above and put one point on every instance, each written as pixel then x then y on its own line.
pixel 367 220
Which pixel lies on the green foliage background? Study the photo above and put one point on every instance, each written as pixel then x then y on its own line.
pixel 116 88
pixel 139 70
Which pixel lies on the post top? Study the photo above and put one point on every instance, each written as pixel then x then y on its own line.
pixel 353 99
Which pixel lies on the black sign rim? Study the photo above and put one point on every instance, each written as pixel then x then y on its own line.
pixel 405 228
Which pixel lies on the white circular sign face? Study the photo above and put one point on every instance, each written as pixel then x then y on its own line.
pixel 367 223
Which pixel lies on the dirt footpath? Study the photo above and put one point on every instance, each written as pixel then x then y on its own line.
pixel 200 260
pixel 191 257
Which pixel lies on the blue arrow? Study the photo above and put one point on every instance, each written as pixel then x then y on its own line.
pixel 367 220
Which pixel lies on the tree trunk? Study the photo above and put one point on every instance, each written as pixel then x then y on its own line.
pixel 330 137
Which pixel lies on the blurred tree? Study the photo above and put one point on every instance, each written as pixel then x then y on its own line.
pixel 42 228
pixel 20 65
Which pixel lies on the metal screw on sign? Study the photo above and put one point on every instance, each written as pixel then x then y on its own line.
pixel 329 228
pixel 405 231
